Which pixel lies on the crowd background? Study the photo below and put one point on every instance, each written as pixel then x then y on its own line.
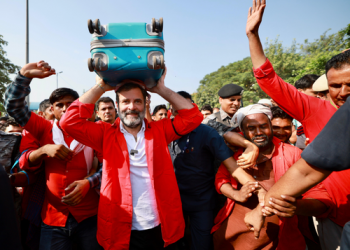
pixel 263 130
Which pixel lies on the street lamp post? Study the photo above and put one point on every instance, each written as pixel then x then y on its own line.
pixel 27 44
pixel 57 76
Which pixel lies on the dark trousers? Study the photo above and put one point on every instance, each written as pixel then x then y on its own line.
pixel 150 239
pixel 200 224
pixel 81 234
pixel 9 231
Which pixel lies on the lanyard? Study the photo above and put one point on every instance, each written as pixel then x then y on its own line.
pixel 333 104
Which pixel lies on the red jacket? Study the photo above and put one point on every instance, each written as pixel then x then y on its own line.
pixel 115 208
pixel 313 113
pixel 283 158
pixel 58 174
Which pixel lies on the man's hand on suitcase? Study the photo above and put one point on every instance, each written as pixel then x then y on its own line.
pixel 37 70
pixel 160 84
pixel 105 86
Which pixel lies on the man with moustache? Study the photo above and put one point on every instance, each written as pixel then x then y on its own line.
pixel 140 205
pixel 274 159
pixel 105 109
pixel 281 124
pixel 230 97
pixel 312 112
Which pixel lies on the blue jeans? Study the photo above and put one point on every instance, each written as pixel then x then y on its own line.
pixel 82 235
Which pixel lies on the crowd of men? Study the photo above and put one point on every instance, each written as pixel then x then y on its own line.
pixel 104 174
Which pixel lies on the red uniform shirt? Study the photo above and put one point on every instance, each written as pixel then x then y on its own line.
pixel 59 174
pixel 115 209
pixel 313 113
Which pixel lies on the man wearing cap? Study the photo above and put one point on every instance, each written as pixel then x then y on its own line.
pixel 230 97
pixel 275 158
pixel 312 112
pixel 320 87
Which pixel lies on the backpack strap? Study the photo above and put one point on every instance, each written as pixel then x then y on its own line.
pixel 16 162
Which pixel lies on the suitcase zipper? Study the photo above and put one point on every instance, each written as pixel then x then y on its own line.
pixel 111 43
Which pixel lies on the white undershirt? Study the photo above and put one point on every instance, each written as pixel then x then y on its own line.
pixel 145 212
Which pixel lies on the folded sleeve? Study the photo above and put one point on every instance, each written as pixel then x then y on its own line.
pixel 75 123
pixel 295 103
pixel 222 177
pixel 28 145
pixel 330 149
pixel 15 103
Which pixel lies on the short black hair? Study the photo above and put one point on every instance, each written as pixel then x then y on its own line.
pixel 130 86
pixel 44 105
pixel 207 107
pixel 338 61
pixel 60 93
pixel 306 81
pixel 277 112
pixel 105 99
pixel 9 122
pixel 4 118
pixel 185 95
pixel 159 107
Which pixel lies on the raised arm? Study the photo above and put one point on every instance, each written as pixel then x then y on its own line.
pixel 296 104
pixel 255 15
pixel 16 92
pixel 177 101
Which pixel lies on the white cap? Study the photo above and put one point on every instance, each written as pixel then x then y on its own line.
pixel 265 101
pixel 321 84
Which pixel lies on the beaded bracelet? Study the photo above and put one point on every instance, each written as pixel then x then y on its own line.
pixel 101 87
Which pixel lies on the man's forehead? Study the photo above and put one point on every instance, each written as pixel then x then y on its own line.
pixel 279 120
pixel 105 104
pixel 341 75
pixel 67 98
pixel 255 118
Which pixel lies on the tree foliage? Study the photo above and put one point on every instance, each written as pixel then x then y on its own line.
pixel 6 67
pixel 290 63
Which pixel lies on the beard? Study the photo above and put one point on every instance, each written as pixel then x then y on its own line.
pixel 261 144
pixel 132 122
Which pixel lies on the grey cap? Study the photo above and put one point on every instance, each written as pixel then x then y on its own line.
pixel 230 90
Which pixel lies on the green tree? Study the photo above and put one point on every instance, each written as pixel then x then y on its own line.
pixel 290 63
pixel 6 67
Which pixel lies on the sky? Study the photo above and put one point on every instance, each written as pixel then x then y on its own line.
pixel 200 36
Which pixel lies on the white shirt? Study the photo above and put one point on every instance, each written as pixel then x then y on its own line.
pixel 145 211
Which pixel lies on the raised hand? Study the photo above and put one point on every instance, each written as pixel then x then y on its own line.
pixel 160 83
pixel 255 15
pixel 37 70
pixel 105 86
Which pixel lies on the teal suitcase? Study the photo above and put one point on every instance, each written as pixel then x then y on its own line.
pixel 122 51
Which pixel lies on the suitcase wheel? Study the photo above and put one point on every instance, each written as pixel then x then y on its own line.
pixel 158 62
pixel 91 28
pixel 157 25
pixel 94 26
pixel 94 64
pixel 97 26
